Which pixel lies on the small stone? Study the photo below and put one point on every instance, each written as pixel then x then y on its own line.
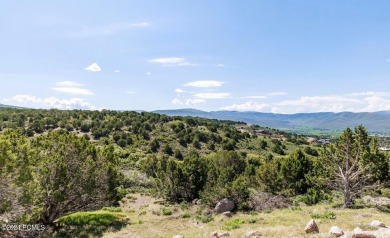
pixel 225 205
pixel 178 236
pixel 224 234
pixel 377 224
pixel 252 234
pixel 214 234
pixel 336 231
pixel 312 227
pixel 359 233
pixel 228 214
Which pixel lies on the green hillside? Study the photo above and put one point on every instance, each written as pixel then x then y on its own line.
pixel 60 168
pixel 302 123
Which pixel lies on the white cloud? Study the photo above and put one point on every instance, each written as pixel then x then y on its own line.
pixel 148 73
pixel 130 92
pixel 370 93
pixel 108 29
pixel 247 106
pixel 204 84
pixel 331 103
pixel 353 102
pixel 265 96
pixel 212 95
pixel 73 90
pixel 117 71
pixel 51 102
pixel 188 102
pixel 376 103
pixel 178 90
pixel 94 67
pixel 220 65
pixel 68 84
pixel 172 61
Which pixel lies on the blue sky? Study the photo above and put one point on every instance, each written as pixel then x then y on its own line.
pixel 268 56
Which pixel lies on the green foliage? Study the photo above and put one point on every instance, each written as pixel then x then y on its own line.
pixel 205 218
pixel 55 172
pixel 293 170
pixel 252 220
pixel 313 196
pixel 232 224
pixel 311 151
pixel 186 215
pixel 325 215
pixel 166 211
pixel 87 224
pixel 354 163
pixel 112 209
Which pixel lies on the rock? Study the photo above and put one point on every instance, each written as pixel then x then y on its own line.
pixel 178 236
pixel 335 231
pixel 225 205
pixel 217 234
pixel 359 233
pixel 312 227
pixel 382 233
pixel 224 234
pixel 252 234
pixel 214 234
pixel 198 202
pixel 194 201
pixel 377 224
pixel 207 211
pixel 228 214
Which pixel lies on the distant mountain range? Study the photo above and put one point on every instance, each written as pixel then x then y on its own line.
pixel 8 106
pixel 373 121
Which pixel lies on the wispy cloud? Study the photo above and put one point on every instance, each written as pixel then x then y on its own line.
pixel 117 71
pixel 188 102
pixel 178 90
pixel 172 61
pixel 247 106
pixel 266 95
pixel 212 95
pixel 220 65
pixel 204 84
pixel 332 103
pixel 370 93
pixel 107 29
pixel 71 87
pixel 130 92
pixel 50 102
pixel 255 97
pixel 94 67
pixel 353 102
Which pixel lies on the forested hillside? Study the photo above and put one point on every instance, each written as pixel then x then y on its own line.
pixel 54 163
pixel 303 123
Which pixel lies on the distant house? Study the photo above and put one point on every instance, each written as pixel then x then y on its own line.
pixel 384 148
pixel 262 133
pixel 322 142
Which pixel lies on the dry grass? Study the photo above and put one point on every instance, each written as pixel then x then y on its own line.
pixel 280 223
